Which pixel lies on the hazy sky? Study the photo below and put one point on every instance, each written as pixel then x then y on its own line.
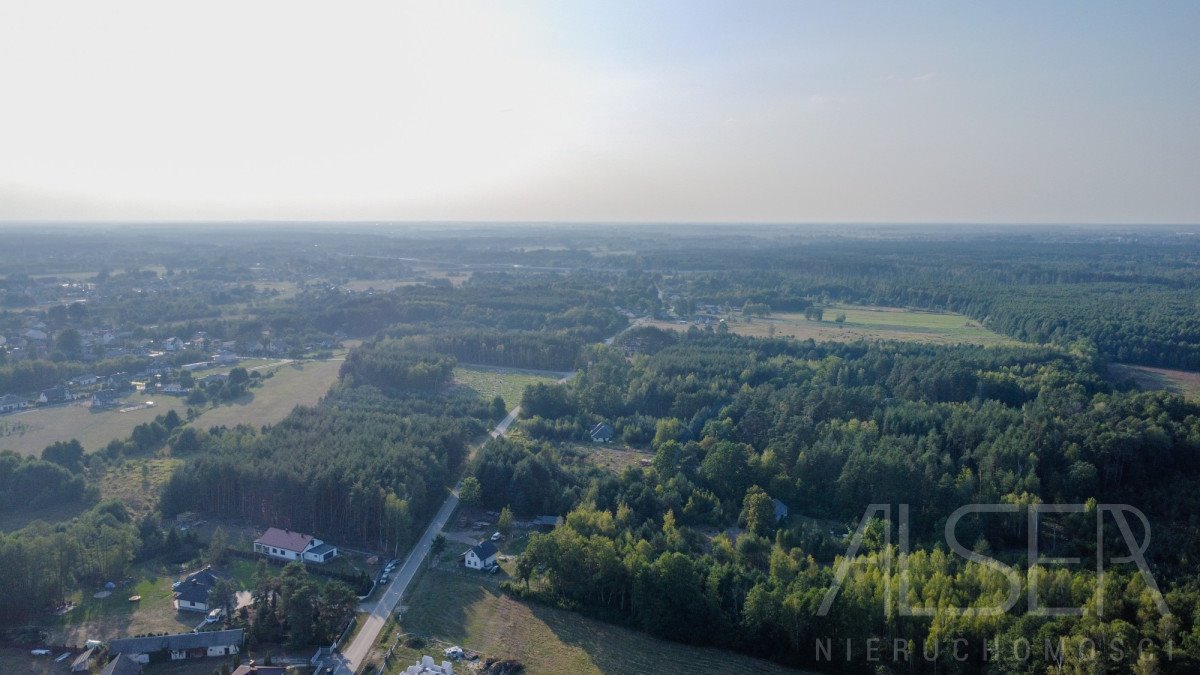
pixel 647 111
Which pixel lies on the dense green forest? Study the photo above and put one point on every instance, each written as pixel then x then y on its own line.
pixel 828 429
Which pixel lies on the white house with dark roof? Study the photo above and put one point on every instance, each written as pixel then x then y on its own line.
pixel 191 594
pixel 288 545
pixel 480 556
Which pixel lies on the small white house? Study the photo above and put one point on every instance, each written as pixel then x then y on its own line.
pixel 288 545
pixel 480 556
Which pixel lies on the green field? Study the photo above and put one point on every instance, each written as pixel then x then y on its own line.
pixel 1182 382
pixel 865 323
pixel 302 383
pixel 450 606
pixel 292 384
pixel 488 382
pixel 42 426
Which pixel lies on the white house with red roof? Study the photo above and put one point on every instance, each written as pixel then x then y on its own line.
pixel 288 545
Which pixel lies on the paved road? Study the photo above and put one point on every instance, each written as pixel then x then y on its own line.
pixel 353 655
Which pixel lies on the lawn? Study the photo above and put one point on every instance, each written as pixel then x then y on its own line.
pixel 115 616
pixel 291 384
pixel 866 323
pixel 449 606
pixel 1182 382
pixel 488 382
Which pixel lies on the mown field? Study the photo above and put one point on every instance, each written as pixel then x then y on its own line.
pixel 866 323
pixel 488 382
pixel 450 606
pixel 291 384
pixel 30 431
pixel 1182 382
pixel 302 383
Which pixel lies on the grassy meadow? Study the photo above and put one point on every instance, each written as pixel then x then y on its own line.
pixel 865 323
pixel 488 382
pixel 450 606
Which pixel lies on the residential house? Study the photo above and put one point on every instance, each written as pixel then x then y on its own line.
pixel 175 389
pixel 603 433
pixel 781 510
pixel 84 380
pixel 106 398
pixel 173 344
pixel 480 556
pixel 11 402
pixel 546 521
pixel 288 545
pixel 195 366
pixel 218 378
pixel 180 646
pixel 122 665
pixel 225 358
pixel 55 395
pixel 191 594
pixel 34 335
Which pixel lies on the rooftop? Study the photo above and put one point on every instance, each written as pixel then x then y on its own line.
pixel 285 539
pixel 158 643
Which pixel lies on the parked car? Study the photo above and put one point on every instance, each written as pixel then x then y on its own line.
pixel 384 579
pixel 215 615
pixel 40 652
pixel 497 536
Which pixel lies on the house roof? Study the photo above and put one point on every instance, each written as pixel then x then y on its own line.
pixel 204 576
pixel 193 591
pixel 122 665
pixel 603 429
pixel 11 399
pixel 484 549
pixel 107 395
pixel 147 645
pixel 285 539
pixel 81 661
pixel 781 509
pixel 323 549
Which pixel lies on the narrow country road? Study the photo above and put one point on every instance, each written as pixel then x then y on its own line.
pixel 352 656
